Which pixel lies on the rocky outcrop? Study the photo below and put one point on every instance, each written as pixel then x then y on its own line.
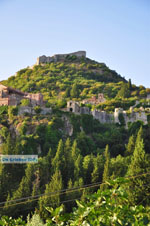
pixel 68 127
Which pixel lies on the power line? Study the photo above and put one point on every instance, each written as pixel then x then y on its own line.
pixel 47 195
pixel 62 192
pixel 51 193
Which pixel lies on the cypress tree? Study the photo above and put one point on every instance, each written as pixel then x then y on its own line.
pixel 58 161
pixel 24 190
pixel 130 85
pixel 74 91
pixel 137 190
pixel 50 199
pixel 130 146
pixel 96 175
pixel 106 172
pixel 88 167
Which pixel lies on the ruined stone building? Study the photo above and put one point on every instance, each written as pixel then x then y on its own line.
pixel 94 101
pixel 73 106
pixel 10 96
pixel 44 59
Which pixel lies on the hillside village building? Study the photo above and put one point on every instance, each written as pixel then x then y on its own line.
pixel 10 96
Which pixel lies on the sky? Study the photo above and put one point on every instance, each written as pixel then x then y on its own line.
pixel 116 32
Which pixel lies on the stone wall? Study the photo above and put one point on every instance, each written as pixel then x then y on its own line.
pixel 132 117
pixel 4 101
pixel 30 110
pixel 104 117
pixel 44 59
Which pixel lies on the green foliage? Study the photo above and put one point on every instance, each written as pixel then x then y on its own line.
pixel 3 110
pixel 75 91
pixel 8 221
pixel 67 92
pixel 124 91
pixel 25 102
pixel 24 190
pixel 65 79
pixel 61 103
pixel 130 85
pixel 4 132
pixel 130 146
pixel 35 221
pixel 143 93
pixel 49 198
pixel 139 165
pixel 109 207
pixel 106 173
pixel 121 119
pixel 12 111
pixel 37 109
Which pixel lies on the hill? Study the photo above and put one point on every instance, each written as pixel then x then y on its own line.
pixel 77 78
pixel 74 150
pixel 53 79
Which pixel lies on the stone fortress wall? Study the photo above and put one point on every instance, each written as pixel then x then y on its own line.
pixel 104 117
pixel 44 59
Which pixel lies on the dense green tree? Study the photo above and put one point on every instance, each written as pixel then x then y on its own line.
pixel 75 91
pixel 88 167
pixel 59 159
pixel 96 175
pixel 130 84
pixel 85 143
pixel 139 190
pixel 124 91
pixel 78 168
pixel 130 146
pixel 106 173
pixel 51 196
pixel 119 166
pixel 67 92
pixel 45 169
pixel 67 170
pixel 24 190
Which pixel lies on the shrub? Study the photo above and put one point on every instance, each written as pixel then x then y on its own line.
pixel 25 102
pixel 37 109
pixel 12 111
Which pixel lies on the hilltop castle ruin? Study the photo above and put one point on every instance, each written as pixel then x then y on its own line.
pixel 44 59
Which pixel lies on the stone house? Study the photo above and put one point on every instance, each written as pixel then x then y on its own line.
pixel 10 96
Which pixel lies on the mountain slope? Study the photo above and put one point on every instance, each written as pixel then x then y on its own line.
pixel 53 79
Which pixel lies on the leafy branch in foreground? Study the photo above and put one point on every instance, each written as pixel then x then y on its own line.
pixel 109 207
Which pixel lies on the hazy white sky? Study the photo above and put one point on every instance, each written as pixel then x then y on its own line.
pixel 116 32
